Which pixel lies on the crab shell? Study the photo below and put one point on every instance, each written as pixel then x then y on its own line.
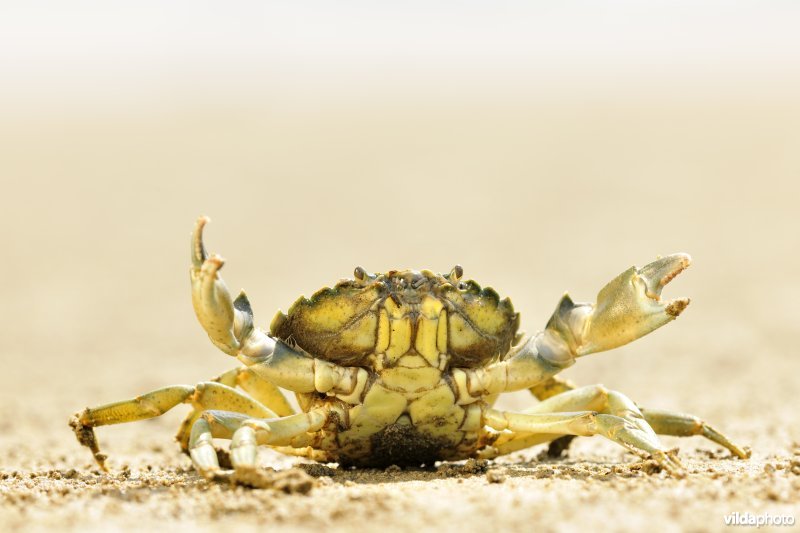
pixel 347 323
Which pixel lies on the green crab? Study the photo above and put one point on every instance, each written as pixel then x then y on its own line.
pixel 404 368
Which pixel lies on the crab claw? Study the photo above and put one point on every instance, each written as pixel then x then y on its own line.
pixel 630 306
pixel 223 319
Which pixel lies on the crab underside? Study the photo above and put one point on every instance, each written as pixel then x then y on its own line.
pixel 404 368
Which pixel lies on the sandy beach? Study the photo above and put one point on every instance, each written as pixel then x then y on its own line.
pixel 534 190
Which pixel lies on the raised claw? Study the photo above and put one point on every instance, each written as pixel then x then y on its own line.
pixel 630 306
pixel 210 297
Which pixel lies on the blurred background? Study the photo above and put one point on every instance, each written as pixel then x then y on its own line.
pixel 544 146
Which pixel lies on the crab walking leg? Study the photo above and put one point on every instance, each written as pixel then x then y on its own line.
pixel 551 387
pixel 587 424
pixel 662 422
pixel 290 431
pixel 206 395
pixel 514 442
pixel 600 412
pixel 229 324
pixel 208 426
pixel 594 398
pixel 659 421
pixel 685 425
pixel 246 434
pixel 542 391
pixel 261 390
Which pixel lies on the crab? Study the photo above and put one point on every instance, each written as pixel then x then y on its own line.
pixel 403 368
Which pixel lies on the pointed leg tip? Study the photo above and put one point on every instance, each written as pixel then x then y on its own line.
pixel 216 475
pixel 743 453
pixel 670 462
pixel 86 437
pixel 100 459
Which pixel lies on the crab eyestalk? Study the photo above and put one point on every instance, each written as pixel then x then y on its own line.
pixel 628 307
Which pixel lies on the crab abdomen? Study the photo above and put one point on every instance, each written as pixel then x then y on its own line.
pixel 393 425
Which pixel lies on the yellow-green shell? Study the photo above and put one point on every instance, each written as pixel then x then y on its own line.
pixel 399 313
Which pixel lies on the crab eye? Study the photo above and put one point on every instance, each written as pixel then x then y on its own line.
pixel 456 273
pixel 462 286
pixel 360 274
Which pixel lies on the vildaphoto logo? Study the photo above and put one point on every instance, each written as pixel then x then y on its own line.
pixel 758 520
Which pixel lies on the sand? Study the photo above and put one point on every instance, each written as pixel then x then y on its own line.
pixel 532 196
